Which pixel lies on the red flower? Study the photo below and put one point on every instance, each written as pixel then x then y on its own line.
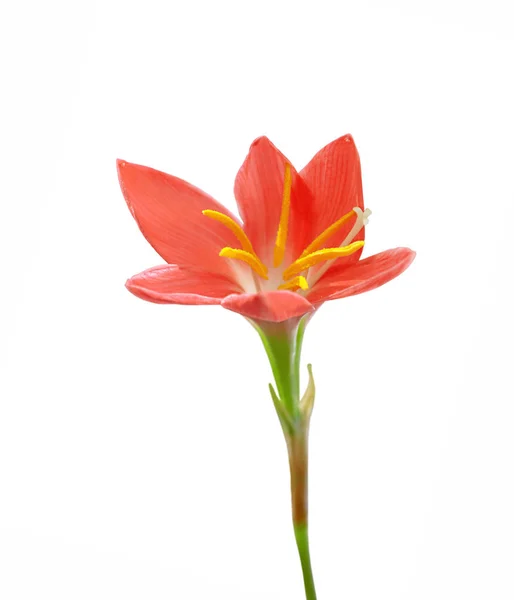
pixel 299 244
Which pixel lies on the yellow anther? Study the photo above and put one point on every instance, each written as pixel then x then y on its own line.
pixel 234 227
pixel 320 256
pixel 247 257
pixel 280 243
pixel 319 242
pixel 295 284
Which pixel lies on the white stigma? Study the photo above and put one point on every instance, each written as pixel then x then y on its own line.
pixel 360 222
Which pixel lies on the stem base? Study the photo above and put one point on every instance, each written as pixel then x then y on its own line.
pixel 302 541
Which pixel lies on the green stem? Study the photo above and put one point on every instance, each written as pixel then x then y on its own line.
pixel 302 541
pixel 297 445
pixel 283 342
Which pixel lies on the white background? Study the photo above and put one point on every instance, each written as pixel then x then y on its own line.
pixel 140 456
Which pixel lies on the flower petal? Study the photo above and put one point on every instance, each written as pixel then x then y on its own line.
pixel 275 306
pixel 259 190
pixel 341 281
pixel 334 179
pixel 169 284
pixel 168 211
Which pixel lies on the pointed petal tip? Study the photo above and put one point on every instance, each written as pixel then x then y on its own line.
pixel 125 166
pixel 134 288
pixel 407 254
pixel 347 138
pixel 121 164
pixel 261 144
pixel 262 139
pixel 122 168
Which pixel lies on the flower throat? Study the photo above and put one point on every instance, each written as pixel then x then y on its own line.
pixel 296 276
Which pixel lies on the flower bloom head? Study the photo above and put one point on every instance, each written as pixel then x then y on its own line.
pixel 297 245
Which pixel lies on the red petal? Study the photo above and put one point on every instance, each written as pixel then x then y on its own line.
pixel 259 189
pixel 168 211
pixel 367 274
pixel 275 306
pixel 334 178
pixel 169 284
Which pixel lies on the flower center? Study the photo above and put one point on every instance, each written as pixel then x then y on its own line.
pixel 297 276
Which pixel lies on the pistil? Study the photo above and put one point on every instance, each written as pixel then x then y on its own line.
pixel 361 221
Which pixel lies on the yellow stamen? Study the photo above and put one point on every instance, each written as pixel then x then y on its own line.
pixel 247 257
pixel 234 227
pixel 319 242
pixel 319 256
pixel 295 284
pixel 280 243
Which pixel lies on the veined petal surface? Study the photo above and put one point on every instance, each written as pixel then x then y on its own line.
pixel 334 179
pixel 168 211
pixel 348 280
pixel 170 284
pixel 259 190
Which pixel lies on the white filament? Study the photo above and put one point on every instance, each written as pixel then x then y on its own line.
pixel 360 222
